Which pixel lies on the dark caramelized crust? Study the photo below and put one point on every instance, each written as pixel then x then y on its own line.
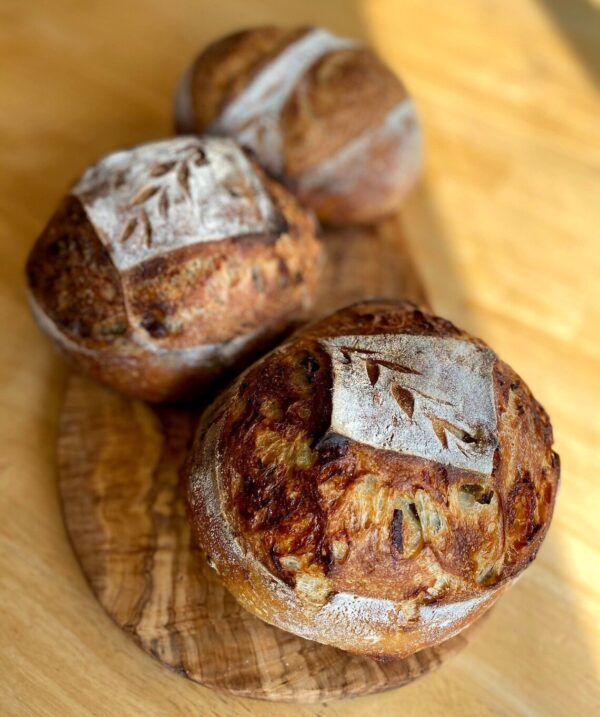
pixel 327 515
pixel 527 465
pixel 72 276
pixel 280 418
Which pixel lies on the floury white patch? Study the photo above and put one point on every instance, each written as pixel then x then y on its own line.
pixel 166 195
pixel 421 395
pixel 254 116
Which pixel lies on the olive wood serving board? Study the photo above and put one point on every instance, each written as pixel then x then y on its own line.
pixel 119 462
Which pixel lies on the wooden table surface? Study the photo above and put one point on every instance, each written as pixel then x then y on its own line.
pixel 506 233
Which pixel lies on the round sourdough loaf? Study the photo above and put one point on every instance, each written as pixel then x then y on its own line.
pixel 171 263
pixel 321 112
pixel 375 483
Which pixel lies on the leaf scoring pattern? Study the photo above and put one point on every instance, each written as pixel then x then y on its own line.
pixel 147 227
pixel 163 168
pixel 420 395
pixel 163 204
pixel 147 193
pixel 183 177
pixel 181 185
pixel 128 229
pixel 397 367
pixel 143 196
pixel 372 371
pixel 441 428
pixel 403 398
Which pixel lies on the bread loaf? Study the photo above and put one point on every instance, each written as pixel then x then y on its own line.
pixel 375 483
pixel 321 112
pixel 169 264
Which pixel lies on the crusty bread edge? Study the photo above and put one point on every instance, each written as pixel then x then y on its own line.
pixel 198 366
pixel 377 628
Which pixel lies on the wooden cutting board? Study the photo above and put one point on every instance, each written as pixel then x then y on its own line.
pixel 119 462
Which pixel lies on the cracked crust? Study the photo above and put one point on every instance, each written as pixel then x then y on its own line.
pixel 377 549
pixel 169 265
pixel 321 112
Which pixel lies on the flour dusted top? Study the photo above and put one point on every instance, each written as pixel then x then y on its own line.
pixel 421 395
pixel 162 196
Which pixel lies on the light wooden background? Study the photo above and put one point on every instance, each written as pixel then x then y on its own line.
pixel 507 235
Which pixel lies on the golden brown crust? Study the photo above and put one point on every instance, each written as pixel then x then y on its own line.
pixel 215 291
pixel 170 325
pixel 316 124
pixel 340 131
pixel 317 520
pixel 395 163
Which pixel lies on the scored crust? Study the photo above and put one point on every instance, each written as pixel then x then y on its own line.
pixel 375 483
pixel 319 111
pixel 181 192
pixel 266 115
pixel 167 263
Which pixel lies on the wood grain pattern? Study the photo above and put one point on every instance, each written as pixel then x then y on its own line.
pixel 505 237
pixel 126 521
pixel 119 464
